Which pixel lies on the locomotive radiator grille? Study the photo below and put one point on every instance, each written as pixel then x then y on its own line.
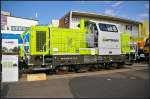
pixel 40 41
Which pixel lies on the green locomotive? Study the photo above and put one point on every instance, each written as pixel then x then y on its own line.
pixel 94 44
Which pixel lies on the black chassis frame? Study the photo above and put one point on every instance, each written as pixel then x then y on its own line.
pixel 68 60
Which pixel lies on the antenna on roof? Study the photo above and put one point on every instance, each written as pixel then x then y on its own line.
pixel 36 15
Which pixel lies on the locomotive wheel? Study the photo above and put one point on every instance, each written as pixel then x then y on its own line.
pixel 120 65
pixel 55 70
pixel 70 69
pixel 107 66
pixel 77 69
pixel 115 65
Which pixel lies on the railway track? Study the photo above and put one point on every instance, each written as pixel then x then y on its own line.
pixel 82 70
pixel 62 72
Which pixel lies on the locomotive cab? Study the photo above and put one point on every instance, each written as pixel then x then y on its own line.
pixel 104 36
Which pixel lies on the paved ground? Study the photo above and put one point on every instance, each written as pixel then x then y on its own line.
pixel 130 82
pixel 117 85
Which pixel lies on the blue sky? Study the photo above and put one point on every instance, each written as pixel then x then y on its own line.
pixel 48 10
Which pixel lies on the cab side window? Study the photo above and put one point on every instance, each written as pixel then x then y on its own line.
pixel 108 27
pixel 102 27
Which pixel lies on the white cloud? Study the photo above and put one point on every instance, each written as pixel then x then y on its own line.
pixel 143 15
pixel 146 5
pixel 117 3
pixel 109 12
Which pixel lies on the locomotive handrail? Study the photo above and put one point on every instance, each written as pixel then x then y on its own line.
pixel 43 50
pixel 24 39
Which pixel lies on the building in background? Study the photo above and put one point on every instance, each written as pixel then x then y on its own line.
pixel 72 19
pixel 12 26
pixel 54 23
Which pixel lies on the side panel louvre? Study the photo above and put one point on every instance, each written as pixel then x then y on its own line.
pixel 39 37
pixel 40 40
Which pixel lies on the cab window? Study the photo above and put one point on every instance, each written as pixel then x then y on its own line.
pixel 102 27
pixel 107 27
